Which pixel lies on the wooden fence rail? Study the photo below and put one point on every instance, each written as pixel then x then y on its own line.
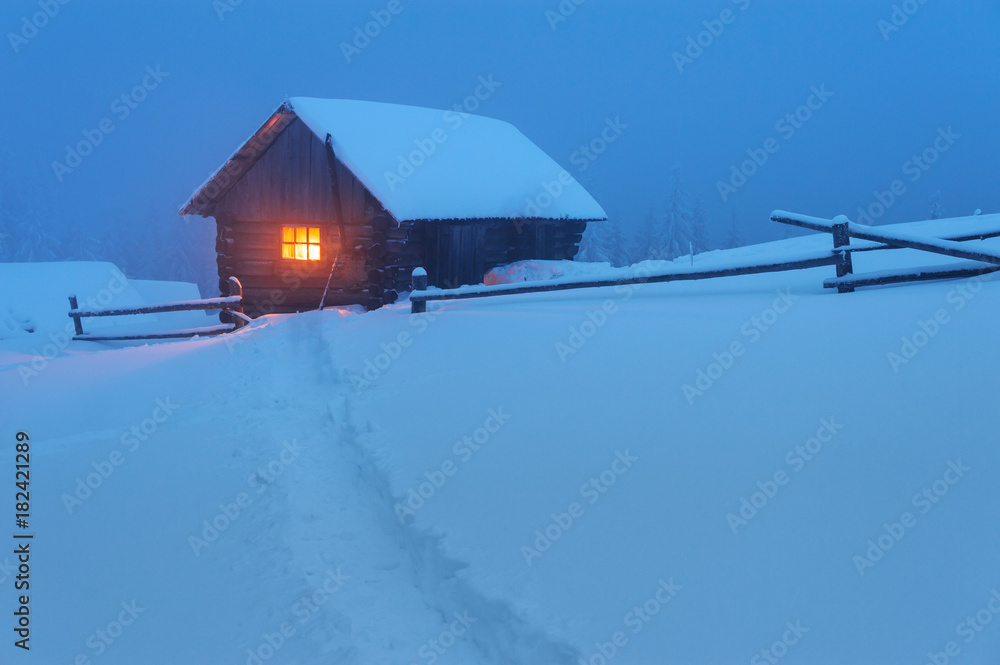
pixel 890 237
pixel 961 270
pixel 419 298
pixel 980 261
pixel 825 226
pixel 232 304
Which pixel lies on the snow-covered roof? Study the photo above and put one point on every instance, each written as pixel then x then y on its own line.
pixel 426 164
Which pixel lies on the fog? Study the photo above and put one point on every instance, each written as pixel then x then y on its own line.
pixel 698 88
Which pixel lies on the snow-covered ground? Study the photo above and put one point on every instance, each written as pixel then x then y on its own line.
pixel 750 469
pixel 34 298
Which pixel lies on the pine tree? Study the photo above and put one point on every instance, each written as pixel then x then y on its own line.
pixel 604 242
pixel 699 228
pixel 936 211
pixel 734 238
pixel 646 237
pixel 79 244
pixel 617 250
pixel 32 239
pixel 199 235
pixel 25 219
pixel 678 233
pixel 589 244
pixel 119 242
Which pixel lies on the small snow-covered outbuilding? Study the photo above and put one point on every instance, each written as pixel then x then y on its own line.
pixel 366 192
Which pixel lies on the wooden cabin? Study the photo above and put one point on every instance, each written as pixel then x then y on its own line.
pixel 338 201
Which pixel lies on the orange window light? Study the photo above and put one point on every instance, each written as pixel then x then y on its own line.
pixel 300 243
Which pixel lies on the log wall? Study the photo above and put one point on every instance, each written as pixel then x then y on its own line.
pixel 290 185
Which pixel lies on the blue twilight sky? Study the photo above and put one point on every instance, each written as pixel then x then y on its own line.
pixel 229 65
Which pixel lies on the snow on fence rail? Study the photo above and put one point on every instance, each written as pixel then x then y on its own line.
pixel 962 269
pixel 232 304
pixel 939 241
pixel 421 296
pixel 980 261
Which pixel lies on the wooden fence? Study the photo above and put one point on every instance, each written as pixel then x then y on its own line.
pixel 232 304
pixel 979 261
pixel 420 296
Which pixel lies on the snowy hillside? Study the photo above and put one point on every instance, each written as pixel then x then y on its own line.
pixel 750 469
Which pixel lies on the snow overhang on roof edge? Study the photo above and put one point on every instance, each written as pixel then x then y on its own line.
pixel 204 198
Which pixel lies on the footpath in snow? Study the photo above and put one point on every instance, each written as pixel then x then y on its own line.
pixel 215 491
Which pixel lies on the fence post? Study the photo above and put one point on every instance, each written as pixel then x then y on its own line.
pixel 77 324
pixel 236 289
pixel 841 238
pixel 419 284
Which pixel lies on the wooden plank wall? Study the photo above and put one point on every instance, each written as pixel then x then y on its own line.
pixel 534 238
pixel 427 245
pixel 290 185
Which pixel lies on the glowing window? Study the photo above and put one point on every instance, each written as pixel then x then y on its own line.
pixel 300 243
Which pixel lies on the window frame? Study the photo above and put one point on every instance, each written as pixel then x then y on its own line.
pixel 306 242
